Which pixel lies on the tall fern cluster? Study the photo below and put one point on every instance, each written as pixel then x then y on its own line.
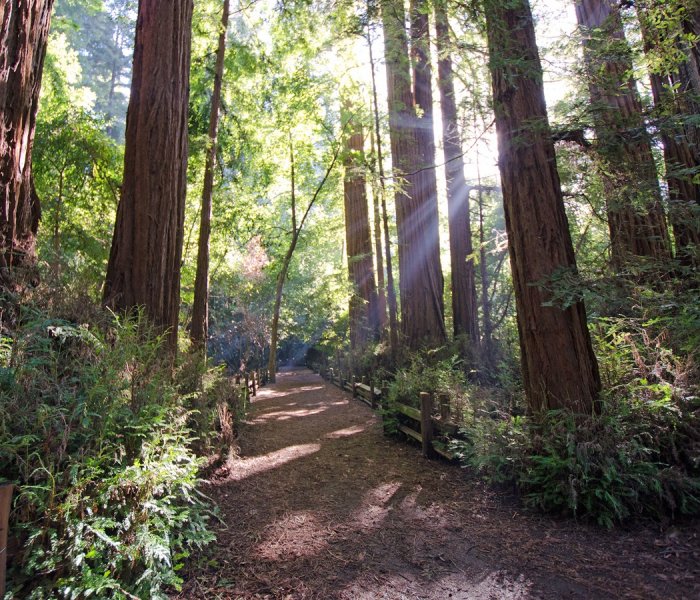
pixel 96 434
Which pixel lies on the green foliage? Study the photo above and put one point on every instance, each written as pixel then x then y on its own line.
pixel 97 436
pixel 637 456
pixel 427 373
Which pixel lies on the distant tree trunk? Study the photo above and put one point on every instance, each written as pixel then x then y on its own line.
pixel 422 319
pixel 390 286
pixel 487 345
pixel 464 303
pixel 635 214
pixel 144 262
pixel 364 321
pixel 674 105
pixel 559 368
pixel 378 252
pixel 200 308
pixel 24 30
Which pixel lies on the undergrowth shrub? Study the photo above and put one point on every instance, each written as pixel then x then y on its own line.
pixel 425 374
pixel 97 435
pixel 640 455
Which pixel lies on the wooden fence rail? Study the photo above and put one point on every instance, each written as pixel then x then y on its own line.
pixel 248 383
pixel 419 424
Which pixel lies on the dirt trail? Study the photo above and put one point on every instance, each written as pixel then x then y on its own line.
pixel 321 505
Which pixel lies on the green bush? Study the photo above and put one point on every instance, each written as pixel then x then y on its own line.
pixel 640 455
pixel 96 435
pixel 427 374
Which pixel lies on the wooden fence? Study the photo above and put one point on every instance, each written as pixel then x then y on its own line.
pixel 420 424
pixel 248 383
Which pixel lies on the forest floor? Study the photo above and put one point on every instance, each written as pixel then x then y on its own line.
pixel 321 505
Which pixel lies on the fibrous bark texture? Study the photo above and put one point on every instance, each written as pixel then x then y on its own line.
pixel 635 215
pixel 144 262
pixel 464 303
pixel 421 284
pixel 200 307
pixel 24 30
pixel 559 367
pixel 364 318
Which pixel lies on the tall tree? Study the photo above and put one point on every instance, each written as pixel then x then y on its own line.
pixel 378 251
pixel 420 286
pixel 24 29
pixel 297 226
pixel 379 156
pixel 635 215
pixel 675 107
pixel 364 318
pixel 464 303
pixel 144 261
pixel 558 364
pixel 200 307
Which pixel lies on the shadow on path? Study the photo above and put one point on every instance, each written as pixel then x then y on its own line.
pixel 321 505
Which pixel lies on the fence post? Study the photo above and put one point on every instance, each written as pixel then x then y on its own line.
pixel 254 377
pixel 353 384
pixel 372 397
pixel 426 424
pixel 384 403
pixel 5 505
pixel 444 401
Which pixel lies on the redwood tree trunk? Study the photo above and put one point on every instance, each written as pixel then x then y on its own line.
pixel 200 308
pixel 24 30
pixel 464 303
pixel 635 216
pixel 144 262
pixel 364 318
pixel 420 285
pixel 559 367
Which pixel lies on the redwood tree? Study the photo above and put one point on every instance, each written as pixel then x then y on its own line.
pixel 464 303
pixel 421 284
pixel 24 29
pixel 559 367
pixel 200 306
pixel 364 317
pixel 635 215
pixel 144 262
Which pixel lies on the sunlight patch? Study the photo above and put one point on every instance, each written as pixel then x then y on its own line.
pixel 347 432
pixel 241 469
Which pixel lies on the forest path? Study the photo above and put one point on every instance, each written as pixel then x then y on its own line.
pixel 321 505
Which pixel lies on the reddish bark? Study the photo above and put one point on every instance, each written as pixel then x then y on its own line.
pixel 464 303
pixel 200 307
pixel 364 322
pixel 559 367
pixel 635 215
pixel 420 285
pixel 24 30
pixel 144 262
